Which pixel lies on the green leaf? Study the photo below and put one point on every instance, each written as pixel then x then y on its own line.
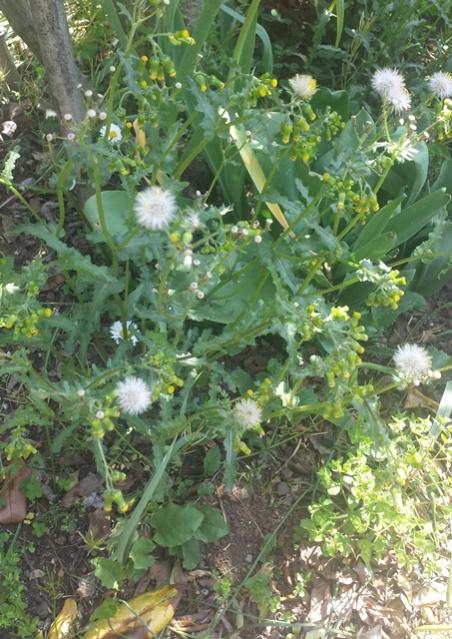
pixel 109 572
pixel 117 205
pixel 201 32
pixel 267 52
pixel 340 14
pixel 175 524
pixel 141 553
pixel 191 554
pixel 377 247
pixel 414 173
pixel 106 610
pixel 212 461
pixel 243 52
pixel 413 218
pixel 112 14
pixel 213 525
pixel 6 175
pixel 148 492
pixel 377 223
pixel 69 258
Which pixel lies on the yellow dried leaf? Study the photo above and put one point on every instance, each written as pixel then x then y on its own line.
pixel 152 610
pixel 140 134
pixel 61 627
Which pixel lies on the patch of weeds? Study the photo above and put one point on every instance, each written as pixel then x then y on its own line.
pixel 392 499
pixel 14 617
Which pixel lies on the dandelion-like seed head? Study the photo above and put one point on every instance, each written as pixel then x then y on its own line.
pixel 114 134
pixel 154 208
pixel 412 362
pixel 117 333
pixel 248 413
pixel 303 85
pixel 133 395
pixel 386 80
pixel 440 84
pixel 399 99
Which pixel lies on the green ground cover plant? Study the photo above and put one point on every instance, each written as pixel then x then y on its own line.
pixel 221 208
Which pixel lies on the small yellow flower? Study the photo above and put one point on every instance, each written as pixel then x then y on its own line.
pixel 47 312
pixel 144 58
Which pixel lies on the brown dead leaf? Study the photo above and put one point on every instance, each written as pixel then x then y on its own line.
pixel 85 487
pixel 16 504
pixel 372 633
pixel 432 595
pixel 320 605
pixel 99 524
pixel 416 399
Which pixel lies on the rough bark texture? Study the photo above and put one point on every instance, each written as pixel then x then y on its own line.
pixel 43 27
pixel 18 14
pixel 7 65
pixel 57 56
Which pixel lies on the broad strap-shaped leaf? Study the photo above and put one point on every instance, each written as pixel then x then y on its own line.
pixel 413 218
pixel 377 222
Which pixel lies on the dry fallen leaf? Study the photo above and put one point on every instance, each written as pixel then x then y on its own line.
pixel 153 610
pixel 85 487
pixel 16 504
pixel 320 605
pixel 62 625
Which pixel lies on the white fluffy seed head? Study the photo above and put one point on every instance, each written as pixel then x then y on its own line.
pixel 412 362
pixel 399 99
pixel 133 395
pixel 440 84
pixel 303 85
pixel 248 413
pixel 386 80
pixel 154 208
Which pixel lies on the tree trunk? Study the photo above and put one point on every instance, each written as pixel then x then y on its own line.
pixel 43 27
pixel 57 56
pixel 18 14
pixel 7 64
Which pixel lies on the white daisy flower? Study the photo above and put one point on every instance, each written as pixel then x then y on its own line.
pixel 114 134
pixel 248 413
pixel 399 99
pixel 441 84
pixel 133 395
pixel 303 85
pixel 117 334
pixel 386 80
pixel 154 208
pixel 413 362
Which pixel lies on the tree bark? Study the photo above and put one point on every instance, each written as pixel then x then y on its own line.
pixel 7 64
pixel 43 27
pixel 57 56
pixel 18 14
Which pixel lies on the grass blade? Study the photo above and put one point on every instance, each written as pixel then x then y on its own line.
pixel 134 519
pixel 267 51
pixel 244 49
pixel 112 14
pixel 201 32
pixel 340 14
